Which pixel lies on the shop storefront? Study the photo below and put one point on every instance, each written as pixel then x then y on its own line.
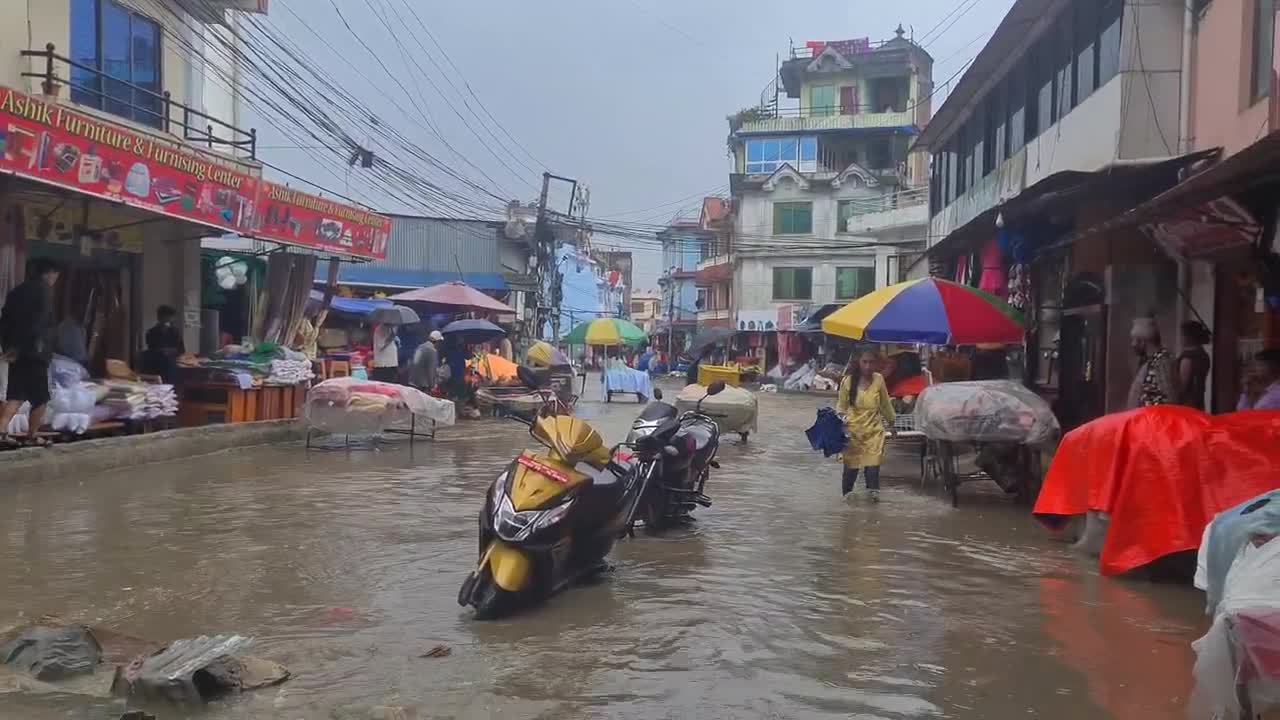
pixel 122 212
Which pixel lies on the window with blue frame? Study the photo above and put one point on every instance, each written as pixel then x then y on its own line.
pixel 117 59
pixel 766 155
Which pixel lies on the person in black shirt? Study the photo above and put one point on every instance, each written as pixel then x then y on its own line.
pixel 25 323
pixel 164 345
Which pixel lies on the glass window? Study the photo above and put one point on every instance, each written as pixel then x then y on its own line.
pixel 1264 29
pixel 117 47
pixel 766 155
pixel 792 218
pixel 1015 129
pixel 1046 100
pixel 792 283
pixel 992 140
pixel 1109 18
pixel 822 100
pixel 1064 64
pixel 854 282
pixel 1086 23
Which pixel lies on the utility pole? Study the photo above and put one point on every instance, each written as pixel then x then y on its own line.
pixel 671 330
pixel 544 248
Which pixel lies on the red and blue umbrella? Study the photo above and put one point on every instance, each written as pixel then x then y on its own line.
pixel 931 311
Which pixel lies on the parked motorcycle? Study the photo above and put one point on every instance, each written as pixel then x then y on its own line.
pixel 673 486
pixel 550 518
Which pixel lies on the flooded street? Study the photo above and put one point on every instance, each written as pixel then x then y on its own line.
pixel 781 602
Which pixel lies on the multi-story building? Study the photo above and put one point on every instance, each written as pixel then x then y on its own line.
pixel 1073 112
pixel 682 243
pixel 125 147
pixel 645 310
pixel 826 194
pixel 714 277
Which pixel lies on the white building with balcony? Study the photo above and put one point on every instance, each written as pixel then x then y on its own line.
pixel 828 202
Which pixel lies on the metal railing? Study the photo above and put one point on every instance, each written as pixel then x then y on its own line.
pixel 775 111
pixel 151 108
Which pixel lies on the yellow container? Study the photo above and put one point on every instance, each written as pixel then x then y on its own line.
pixel 708 374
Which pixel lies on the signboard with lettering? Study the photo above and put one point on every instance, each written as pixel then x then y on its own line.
pixel 77 151
pixel 1216 226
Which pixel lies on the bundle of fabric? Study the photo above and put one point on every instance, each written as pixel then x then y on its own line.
pixel 290 372
pixel 128 400
pixel 353 407
pixel 70 407
pixel 161 401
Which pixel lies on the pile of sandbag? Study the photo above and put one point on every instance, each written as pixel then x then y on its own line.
pixel 800 379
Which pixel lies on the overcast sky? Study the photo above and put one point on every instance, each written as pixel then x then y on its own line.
pixel 629 96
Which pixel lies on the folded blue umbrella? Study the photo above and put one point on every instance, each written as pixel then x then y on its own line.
pixel 827 433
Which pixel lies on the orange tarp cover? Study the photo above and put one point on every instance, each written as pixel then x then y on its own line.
pixel 494 367
pixel 1161 473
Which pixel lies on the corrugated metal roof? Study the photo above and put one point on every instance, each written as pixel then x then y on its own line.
pixel 441 245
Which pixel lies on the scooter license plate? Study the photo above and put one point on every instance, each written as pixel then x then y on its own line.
pixel 544 469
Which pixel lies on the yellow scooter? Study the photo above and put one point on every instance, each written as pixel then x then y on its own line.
pixel 550 518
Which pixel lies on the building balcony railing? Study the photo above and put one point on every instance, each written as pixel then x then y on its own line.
pixel 888 212
pixel 714 270
pixel 806 120
pixel 714 314
pixel 95 89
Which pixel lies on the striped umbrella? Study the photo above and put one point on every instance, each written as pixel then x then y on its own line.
pixel 931 311
pixel 609 332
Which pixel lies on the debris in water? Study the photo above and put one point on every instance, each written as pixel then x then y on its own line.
pixel 438 651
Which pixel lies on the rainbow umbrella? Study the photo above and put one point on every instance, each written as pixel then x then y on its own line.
pixel 930 311
pixel 609 332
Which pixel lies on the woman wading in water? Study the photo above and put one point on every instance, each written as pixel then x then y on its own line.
pixel 863 400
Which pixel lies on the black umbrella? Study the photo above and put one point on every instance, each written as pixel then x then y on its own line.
pixel 707 338
pixel 474 330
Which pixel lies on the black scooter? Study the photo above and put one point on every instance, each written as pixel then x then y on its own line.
pixel 676 454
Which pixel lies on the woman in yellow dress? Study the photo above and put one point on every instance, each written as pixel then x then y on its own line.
pixel 863 400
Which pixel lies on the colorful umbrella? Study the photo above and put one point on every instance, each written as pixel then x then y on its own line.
pixel 457 294
pixel 931 311
pixel 544 355
pixel 474 330
pixel 605 331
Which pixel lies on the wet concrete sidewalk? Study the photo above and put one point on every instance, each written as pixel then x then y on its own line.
pixel 783 600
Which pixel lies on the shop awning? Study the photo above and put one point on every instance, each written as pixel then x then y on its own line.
pixel 1062 191
pixel 1243 171
pixel 393 278
pixel 813 323
pixel 58 147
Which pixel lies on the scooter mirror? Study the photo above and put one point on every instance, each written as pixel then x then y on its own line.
pixel 657 394
pixel 716 387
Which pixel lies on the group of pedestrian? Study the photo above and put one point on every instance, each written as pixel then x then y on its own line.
pixel 1163 379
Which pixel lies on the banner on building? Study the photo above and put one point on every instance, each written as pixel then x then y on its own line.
pixel 76 151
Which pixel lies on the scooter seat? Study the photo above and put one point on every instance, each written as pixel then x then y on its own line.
pixel 701 436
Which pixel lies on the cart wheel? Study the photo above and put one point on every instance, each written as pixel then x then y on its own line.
pixel 744 436
pixel 950 483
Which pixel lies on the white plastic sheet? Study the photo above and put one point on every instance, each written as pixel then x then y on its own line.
pixel 351 406
pixel 986 411
pixel 734 409
pixel 1240 655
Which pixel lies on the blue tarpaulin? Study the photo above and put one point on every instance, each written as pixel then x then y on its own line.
pixel 351 306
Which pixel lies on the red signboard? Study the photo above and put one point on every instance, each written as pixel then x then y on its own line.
pixel 288 216
pixel 56 145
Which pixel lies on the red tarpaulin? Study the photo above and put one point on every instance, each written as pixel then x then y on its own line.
pixel 1161 473
pixel 454 293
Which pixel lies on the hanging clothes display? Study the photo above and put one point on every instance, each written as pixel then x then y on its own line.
pixel 993 279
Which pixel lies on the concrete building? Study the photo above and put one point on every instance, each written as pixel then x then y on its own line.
pixel 714 275
pixel 682 243
pixel 827 197
pixel 159 47
pixel 1073 113
pixel 646 309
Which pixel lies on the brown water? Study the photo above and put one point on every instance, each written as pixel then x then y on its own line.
pixel 782 601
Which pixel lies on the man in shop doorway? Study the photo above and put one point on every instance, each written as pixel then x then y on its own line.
pixel 25 324
pixel 164 345
pixel 1154 384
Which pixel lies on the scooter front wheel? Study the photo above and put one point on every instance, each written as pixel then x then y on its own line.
pixel 489 601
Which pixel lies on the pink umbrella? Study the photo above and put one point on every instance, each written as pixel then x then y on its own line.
pixel 454 293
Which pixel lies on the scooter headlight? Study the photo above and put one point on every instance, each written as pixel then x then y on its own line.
pixel 515 526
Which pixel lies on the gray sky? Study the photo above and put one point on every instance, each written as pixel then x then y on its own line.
pixel 629 96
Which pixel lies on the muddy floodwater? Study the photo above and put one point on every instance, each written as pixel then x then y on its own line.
pixel 781 602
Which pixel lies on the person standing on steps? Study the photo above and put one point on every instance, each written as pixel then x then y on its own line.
pixel 864 402
pixel 25 324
